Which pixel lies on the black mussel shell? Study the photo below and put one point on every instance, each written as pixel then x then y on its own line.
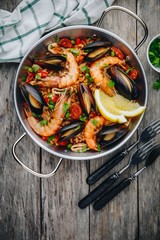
pixel 33 98
pixel 112 137
pixel 70 130
pixel 53 62
pixel 86 99
pixel 124 84
pixel 109 129
pixel 97 44
pixel 96 54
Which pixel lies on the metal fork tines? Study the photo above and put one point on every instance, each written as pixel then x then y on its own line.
pixel 138 156
pixel 147 134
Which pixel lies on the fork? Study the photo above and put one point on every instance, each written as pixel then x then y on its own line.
pixel 108 196
pixel 148 133
pixel 138 156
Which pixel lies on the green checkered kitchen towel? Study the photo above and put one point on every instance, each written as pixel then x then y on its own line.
pixel 20 29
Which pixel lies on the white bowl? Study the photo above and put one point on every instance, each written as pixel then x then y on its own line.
pixel 157 69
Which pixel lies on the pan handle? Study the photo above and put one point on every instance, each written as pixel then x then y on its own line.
pixel 27 168
pixel 99 22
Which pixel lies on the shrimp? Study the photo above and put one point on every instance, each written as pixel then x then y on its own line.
pixel 66 80
pixel 56 119
pixel 98 74
pixel 93 126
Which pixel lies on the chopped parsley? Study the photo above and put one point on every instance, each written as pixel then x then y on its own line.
pixel 113 54
pixel 50 138
pixel 24 78
pixel 35 67
pixel 94 122
pixel 51 106
pixel 74 51
pixel 67 115
pixel 156 84
pixel 111 84
pixel 73 41
pixel 129 69
pixel 154 52
pixel 83 117
pixel 69 145
pixel 66 107
pixel 85 69
pixel 36 116
pixel 106 65
pixel 30 69
pixel 38 76
pixel 56 39
pixel 84 149
pixel 98 147
pixel 43 122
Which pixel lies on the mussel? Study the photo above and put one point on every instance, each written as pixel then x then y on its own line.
pixel 53 62
pixel 97 44
pixel 33 98
pixel 70 130
pixel 97 50
pixel 109 135
pixel 124 84
pixel 86 99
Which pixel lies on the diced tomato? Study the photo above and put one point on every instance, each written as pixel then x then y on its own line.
pixel 44 138
pixel 56 138
pixel 118 52
pixel 30 77
pixel 75 111
pixel 44 74
pixel 55 98
pixel 65 42
pixel 62 143
pixel 80 58
pixel 46 99
pixel 133 74
pixel 84 41
pixel 78 41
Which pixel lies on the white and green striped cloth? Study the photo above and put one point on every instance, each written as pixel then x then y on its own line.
pixel 20 29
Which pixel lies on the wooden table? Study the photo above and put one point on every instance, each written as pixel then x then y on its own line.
pixel 33 208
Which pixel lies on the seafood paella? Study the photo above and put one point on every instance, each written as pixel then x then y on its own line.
pixel 81 94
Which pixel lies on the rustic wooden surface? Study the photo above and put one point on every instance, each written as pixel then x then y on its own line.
pixel 42 209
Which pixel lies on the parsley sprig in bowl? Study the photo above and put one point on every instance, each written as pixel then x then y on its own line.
pixel 153 53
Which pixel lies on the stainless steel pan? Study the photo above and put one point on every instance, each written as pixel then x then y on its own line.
pixel 82 31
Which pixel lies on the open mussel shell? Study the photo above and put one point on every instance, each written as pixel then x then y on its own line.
pixel 124 84
pixel 96 54
pixel 97 44
pixel 86 99
pixel 53 62
pixel 33 98
pixel 110 135
pixel 70 130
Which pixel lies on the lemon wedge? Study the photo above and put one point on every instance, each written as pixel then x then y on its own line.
pixel 107 107
pixel 127 107
pixel 116 108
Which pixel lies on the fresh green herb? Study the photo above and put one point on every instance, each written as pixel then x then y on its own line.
pixel 64 55
pixel 90 79
pixel 50 95
pixel 43 122
pixel 38 76
pixel 30 69
pixel 67 115
pixel 111 84
pixel 85 69
pixel 36 116
pixel 87 50
pixel 24 78
pixel 83 117
pixel 35 67
pixel 154 52
pixel 129 69
pixel 94 122
pixel 50 138
pixel 76 91
pixel 156 84
pixel 98 147
pixel 105 65
pixel 73 41
pixel 56 39
pixel 51 46
pixel 113 54
pixel 66 107
pixel 51 106
pixel 84 149
pixel 74 51
pixel 69 145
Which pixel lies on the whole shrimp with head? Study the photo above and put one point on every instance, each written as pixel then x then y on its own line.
pixel 54 123
pixel 99 75
pixel 64 78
